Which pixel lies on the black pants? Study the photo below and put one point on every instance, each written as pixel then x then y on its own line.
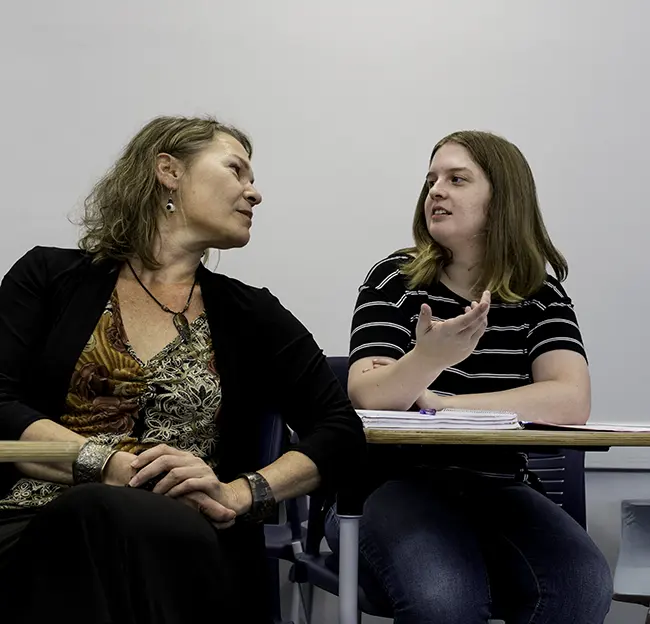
pixel 109 555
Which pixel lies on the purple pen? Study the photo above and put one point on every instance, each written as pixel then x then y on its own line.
pixel 430 412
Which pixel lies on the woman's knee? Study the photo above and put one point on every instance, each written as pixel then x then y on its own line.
pixel 438 597
pixel 449 611
pixel 590 584
pixel 424 555
pixel 575 589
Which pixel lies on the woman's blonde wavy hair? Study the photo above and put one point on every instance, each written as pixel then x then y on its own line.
pixel 122 212
pixel 517 245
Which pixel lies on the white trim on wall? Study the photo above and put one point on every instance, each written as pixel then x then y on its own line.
pixel 628 458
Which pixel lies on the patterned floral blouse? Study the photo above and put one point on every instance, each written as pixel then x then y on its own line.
pixel 114 397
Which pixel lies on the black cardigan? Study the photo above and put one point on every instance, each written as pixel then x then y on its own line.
pixel 51 300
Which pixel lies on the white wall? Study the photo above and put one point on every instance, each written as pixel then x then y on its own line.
pixel 344 100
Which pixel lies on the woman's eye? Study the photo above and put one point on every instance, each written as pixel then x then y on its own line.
pixel 457 180
pixel 236 168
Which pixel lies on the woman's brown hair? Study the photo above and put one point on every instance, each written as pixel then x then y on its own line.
pixel 122 212
pixel 517 245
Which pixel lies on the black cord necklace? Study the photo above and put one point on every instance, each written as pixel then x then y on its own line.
pixel 181 323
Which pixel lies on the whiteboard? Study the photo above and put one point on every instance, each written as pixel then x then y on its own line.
pixel 344 100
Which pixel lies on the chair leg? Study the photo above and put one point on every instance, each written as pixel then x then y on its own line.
pixel 274 578
pixel 295 603
pixel 308 601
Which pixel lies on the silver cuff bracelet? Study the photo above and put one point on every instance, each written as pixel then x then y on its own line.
pixel 90 463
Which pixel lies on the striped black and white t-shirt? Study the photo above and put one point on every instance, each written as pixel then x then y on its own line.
pixel 384 323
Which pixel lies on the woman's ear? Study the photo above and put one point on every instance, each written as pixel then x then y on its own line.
pixel 169 170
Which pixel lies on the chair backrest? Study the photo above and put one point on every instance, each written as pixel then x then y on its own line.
pixel 274 441
pixel 274 436
pixel 339 365
pixel 635 533
pixel 562 472
pixel 632 574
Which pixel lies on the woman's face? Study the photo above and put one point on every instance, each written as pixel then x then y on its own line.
pixel 216 195
pixel 455 209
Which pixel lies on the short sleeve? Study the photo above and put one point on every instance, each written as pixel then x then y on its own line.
pixel 380 326
pixel 556 325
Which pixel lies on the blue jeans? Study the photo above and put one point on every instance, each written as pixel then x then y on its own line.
pixel 459 549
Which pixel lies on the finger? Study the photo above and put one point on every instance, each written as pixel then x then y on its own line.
pixel 154 453
pixel 212 509
pixel 178 475
pixel 217 512
pixel 483 309
pixel 156 467
pixel 203 484
pixel 425 318
pixel 463 321
pixel 487 297
pixel 468 323
pixel 483 306
pixel 480 320
pixel 382 361
pixel 190 501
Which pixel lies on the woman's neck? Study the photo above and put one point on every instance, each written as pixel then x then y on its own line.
pixel 463 274
pixel 178 263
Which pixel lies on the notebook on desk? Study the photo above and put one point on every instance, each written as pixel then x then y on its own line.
pixel 475 420
pixel 446 419
pixel 540 425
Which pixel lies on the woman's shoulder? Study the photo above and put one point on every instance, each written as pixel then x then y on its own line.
pixel 49 261
pixel 233 290
pixel 387 271
pixel 41 253
pixel 243 307
pixel 550 292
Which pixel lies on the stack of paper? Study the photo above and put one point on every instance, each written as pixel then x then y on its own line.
pixel 540 425
pixel 442 419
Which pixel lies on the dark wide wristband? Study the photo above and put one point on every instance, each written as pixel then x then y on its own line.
pixel 263 500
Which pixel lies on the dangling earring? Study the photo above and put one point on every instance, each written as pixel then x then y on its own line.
pixel 170 208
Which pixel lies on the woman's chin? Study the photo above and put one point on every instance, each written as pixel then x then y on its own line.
pixel 234 240
pixel 439 233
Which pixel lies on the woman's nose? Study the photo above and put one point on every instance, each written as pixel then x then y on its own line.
pixel 253 196
pixel 436 190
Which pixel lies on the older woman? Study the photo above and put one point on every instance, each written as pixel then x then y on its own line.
pixel 469 318
pixel 160 370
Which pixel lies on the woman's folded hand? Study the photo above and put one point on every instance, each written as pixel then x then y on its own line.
pixel 189 479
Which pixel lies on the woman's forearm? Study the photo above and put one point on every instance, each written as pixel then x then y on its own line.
pixel 394 387
pixel 48 431
pixel 292 475
pixel 556 402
